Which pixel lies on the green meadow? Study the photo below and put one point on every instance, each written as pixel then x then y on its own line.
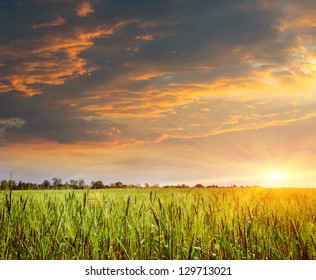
pixel 159 224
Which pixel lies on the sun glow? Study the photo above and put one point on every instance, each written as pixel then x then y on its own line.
pixel 276 178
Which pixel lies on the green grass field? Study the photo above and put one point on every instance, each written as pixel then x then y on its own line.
pixel 151 224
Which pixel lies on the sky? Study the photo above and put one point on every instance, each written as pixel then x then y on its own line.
pixel 170 92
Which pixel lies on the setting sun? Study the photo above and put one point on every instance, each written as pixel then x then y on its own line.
pixel 277 176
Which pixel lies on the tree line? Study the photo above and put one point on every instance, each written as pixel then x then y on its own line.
pixel 57 184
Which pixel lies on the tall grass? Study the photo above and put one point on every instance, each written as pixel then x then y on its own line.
pixel 159 224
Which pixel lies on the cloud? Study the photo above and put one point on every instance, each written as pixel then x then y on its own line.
pixel 84 9
pixel 51 59
pixel 7 125
pixel 12 122
pixel 208 117
pixel 150 76
pixel 147 37
pixel 135 73
pixel 56 22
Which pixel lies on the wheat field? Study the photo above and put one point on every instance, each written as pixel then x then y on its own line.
pixel 159 224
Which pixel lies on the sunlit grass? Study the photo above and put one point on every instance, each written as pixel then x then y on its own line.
pixel 220 223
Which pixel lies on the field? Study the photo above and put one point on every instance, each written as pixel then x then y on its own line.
pixel 222 223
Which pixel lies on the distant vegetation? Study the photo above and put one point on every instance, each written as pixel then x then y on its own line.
pixel 57 184
pixel 188 223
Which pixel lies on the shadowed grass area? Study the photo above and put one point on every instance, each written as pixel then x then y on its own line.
pixel 232 223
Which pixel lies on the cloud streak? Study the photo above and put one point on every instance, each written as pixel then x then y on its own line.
pixel 56 22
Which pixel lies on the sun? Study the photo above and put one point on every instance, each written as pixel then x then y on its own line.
pixel 276 178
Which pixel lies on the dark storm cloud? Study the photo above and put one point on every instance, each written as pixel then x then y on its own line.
pixel 208 32
pixel 41 118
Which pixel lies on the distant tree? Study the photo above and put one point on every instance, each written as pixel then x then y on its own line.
pixel 182 186
pixel 73 183
pixel 199 186
pixel 4 185
pixel 13 184
pixel 46 184
pixel 57 182
pixel 20 185
pixel 25 186
pixel 118 185
pixel 81 183
pixel 97 185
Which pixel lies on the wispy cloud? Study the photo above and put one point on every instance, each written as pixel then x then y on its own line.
pixel 56 22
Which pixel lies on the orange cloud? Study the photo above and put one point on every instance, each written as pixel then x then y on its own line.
pixel 157 101
pixel 58 21
pixel 84 9
pixel 5 88
pixel 120 103
pixel 235 123
pixel 51 60
pixel 121 110
pixel 305 19
pixel 149 76
pixel 259 122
